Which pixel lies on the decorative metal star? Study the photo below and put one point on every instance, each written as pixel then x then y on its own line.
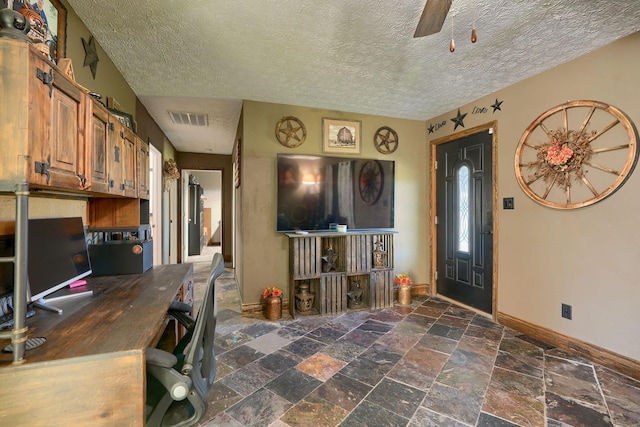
pixel 496 105
pixel 458 120
pixel 290 131
pixel 90 55
pixel 431 128
pixel 330 258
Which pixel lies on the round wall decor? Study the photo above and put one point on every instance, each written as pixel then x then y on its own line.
pixel 371 182
pixel 386 140
pixel 576 154
pixel 290 131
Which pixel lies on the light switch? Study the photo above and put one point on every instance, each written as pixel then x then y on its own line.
pixel 507 203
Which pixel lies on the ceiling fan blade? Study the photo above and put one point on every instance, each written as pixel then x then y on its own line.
pixel 433 16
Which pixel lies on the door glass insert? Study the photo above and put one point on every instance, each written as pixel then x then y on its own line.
pixel 463 208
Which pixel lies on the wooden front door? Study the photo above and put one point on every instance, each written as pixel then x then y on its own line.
pixel 464 218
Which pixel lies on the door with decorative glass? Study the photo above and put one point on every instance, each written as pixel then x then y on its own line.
pixel 464 219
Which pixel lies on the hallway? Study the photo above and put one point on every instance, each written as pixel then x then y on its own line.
pixel 428 364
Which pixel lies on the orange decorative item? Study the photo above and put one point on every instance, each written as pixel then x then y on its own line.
pixel 404 283
pixel 273 300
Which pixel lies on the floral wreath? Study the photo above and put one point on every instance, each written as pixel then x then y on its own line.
pixel 562 157
pixel 170 173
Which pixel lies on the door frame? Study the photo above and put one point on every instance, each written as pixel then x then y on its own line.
pixel 492 127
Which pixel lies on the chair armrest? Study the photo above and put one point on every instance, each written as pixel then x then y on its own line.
pixel 180 306
pixel 180 311
pixel 160 366
pixel 160 358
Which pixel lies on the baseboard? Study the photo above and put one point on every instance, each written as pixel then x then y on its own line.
pixel 422 289
pixel 604 357
pixel 258 307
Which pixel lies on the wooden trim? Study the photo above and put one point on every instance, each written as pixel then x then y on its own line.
pixel 421 289
pixel 258 307
pixel 432 210
pixel 604 357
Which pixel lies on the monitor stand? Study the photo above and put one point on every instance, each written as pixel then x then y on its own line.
pixel 62 294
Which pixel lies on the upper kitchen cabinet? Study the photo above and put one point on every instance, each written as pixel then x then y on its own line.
pixel 42 121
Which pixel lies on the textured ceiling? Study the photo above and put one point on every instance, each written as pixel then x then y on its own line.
pixel 206 56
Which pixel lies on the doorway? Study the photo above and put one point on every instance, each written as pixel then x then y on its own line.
pixel 201 214
pixel 155 203
pixel 464 235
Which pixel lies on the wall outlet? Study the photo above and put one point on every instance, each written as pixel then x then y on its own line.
pixel 566 311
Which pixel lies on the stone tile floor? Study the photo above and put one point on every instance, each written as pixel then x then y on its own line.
pixel 428 364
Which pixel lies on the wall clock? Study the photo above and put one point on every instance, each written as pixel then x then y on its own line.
pixel 576 154
pixel 386 140
pixel 370 182
pixel 290 131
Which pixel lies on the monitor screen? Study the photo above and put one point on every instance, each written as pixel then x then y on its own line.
pixel 57 255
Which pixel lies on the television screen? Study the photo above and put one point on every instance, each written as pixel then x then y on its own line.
pixel 57 255
pixel 317 192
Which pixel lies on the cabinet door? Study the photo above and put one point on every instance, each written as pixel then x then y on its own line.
pixel 97 146
pixel 115 158
pixel 56 128
pixel 129 173
pixel 143 168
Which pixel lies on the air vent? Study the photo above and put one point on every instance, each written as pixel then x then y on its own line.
pixel 191 119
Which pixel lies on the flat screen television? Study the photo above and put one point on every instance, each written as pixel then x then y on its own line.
pixel 57 256
pixel 318 192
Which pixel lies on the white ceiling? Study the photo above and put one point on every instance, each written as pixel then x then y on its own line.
pixel 206 56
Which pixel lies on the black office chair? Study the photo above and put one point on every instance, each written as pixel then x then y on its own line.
pixel 178 382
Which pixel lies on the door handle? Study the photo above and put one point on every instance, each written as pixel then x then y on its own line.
pixel 486 232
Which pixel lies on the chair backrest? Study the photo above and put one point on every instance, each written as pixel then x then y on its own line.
pixel 200 358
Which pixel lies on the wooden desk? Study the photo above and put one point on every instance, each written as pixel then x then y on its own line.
pixel 91 370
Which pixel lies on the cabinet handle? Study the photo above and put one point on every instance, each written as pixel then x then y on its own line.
pixel 83 180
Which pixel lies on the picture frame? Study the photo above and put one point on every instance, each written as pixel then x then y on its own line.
pixel 57 16
pixel 125 118
pixel 341 136
pixel 48 20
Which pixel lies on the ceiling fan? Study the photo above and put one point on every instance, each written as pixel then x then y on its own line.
pixel 432 18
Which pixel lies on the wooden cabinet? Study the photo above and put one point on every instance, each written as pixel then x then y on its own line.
pixel 57 136
pixel 129 169
pixel 98 146
pixel 352 270
pixel 42 114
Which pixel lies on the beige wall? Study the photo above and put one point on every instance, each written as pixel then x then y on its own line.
pixel 264 253
pixel 108 81
pixel 585 257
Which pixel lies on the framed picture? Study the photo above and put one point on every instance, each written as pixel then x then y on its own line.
pixel 341 136
pixel 48 19
pixel 124 118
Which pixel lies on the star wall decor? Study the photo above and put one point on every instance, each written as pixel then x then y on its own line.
pixel 90 55
pixel 459 120
pixel 431 128
pixel 496 105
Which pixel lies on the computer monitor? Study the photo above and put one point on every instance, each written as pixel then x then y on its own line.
pixel 57 257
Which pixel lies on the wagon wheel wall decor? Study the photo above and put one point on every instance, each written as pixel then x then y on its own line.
pixel 576 154
pixel 386 140
pixel 371 182
pixel 290 131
